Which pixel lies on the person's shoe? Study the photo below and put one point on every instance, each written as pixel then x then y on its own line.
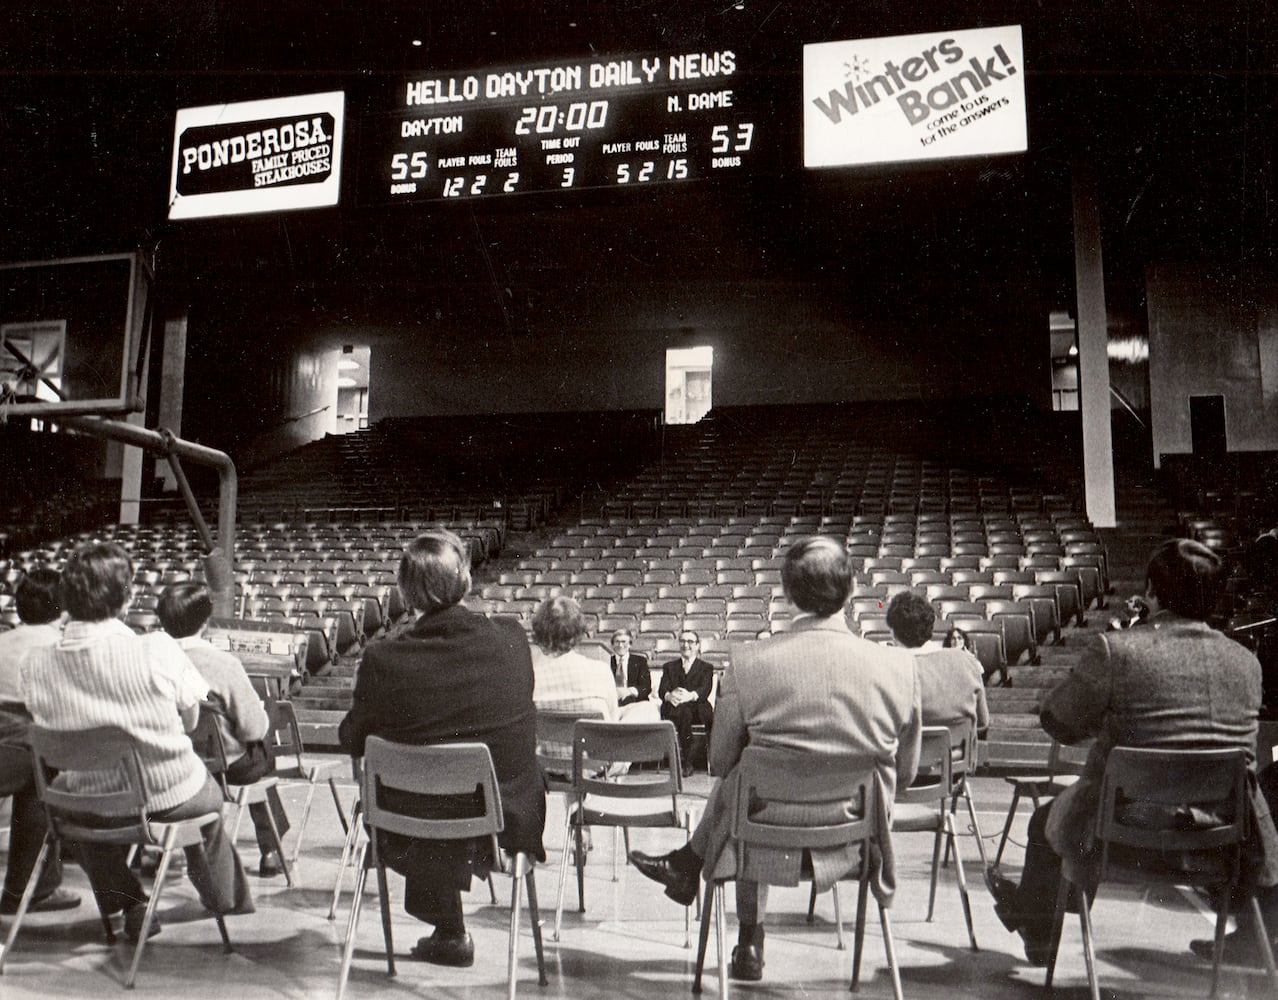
pixel 747 963
pixel 1240 949
pixel 681 886
pixel 133 918
pixel 688 770
pixel 446 949
pixel 59 899
pixel 1005 894
pixel 270 865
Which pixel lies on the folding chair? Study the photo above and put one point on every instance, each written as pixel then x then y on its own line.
pixel 601 797
pixel 211 748
pixel 110 752
pixel 922 807
pixel 1138 781
pixel 802 780
pixel 1064 765
pixel 447 769
pixel 284 740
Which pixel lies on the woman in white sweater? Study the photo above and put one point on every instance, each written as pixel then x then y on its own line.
pixel 101 674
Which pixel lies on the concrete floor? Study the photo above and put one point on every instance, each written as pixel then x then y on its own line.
pixel 629 943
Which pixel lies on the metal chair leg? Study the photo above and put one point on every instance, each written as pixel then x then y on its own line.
pixel 889 948
pixel 25 901
pixel 348 846
pixel 563 875
pixel 534 914
pixel 277 841
pixel 702 939
pixel 962 883
pixel 512 957
pixel 1058 923
pixel 838 917
pixel 152 904
pixel 1262 939
pixel 936 862
pixel 858 936
pixel 1089 953
pixel 812 903
pixel 348 947
pixel 720 937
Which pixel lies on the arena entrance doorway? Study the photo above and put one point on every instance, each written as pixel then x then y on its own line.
pixel 689 372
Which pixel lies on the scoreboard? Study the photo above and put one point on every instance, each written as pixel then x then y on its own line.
pixel 629 121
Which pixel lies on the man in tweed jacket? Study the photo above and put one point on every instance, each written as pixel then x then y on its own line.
pixel 815 689
pixel 1171 682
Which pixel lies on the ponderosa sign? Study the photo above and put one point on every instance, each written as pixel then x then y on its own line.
pixel 914 97
pixel 257 156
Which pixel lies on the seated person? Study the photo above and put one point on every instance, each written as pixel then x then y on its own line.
pixel 950 680
pixel 184 609
pixel 685 689
pixel 102 674
pixel 1171 681
pixel 633 677
pixel 449 674
pixel 565 680
pixel 38 609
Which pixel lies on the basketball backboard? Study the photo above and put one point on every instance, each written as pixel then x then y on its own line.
pixel 71 331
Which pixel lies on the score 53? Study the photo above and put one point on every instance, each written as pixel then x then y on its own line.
pixel 723 140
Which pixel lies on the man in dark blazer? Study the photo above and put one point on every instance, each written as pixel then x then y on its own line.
pixel 684 691
pixel 451 676
pixel 1172 681
pixel 629 670
pixel 815 689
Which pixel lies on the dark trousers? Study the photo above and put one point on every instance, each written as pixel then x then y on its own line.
pixel 253 766
pixel 1040 880
pixel 27 828
pixel 684 717
pixel 216 872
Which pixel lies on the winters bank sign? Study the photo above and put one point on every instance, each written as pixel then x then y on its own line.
pixel 914 97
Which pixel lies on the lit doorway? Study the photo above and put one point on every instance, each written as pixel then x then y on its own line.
pixel 688 376
pixel 1064 338
pixel 352 388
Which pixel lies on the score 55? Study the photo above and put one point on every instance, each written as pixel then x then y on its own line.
pixel 723 140
pixel 404 166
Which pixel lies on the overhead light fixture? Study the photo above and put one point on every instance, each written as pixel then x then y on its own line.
pixel 1073 350
pixel 417 43
pixel 346 382
pixel 347 365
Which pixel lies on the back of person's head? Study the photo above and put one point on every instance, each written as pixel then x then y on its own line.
pixel 434 571
pixel 558 624
pixel 817 576
pixel 1186 577
pixel 183 608
pixel 36 598
pixel 910 617
pixel 95 582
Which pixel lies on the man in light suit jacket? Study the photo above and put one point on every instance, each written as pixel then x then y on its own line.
pixel 815 689
pixel 951 681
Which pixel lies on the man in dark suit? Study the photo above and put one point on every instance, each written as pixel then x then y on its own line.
pixel 451 675
pixel 684 691
pixel 629 670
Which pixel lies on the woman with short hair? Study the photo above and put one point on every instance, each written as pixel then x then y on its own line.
pixel 100 673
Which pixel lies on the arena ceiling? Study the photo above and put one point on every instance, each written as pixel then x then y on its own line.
pixel 1174 103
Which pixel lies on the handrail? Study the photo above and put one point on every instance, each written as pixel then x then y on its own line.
pixel 1127 406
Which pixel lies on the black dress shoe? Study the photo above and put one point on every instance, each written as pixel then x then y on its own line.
pixel 681 886
pixel 747 963
pixel 688 770
pixel 1005 894
pixel 1240 949
pixel 270 865
pixel 446 949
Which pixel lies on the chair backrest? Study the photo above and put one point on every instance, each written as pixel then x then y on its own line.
pixel 208 742
pixel 1067 759
pixel 1213 782
pixel 104 760
pixel 596 745
pixel 769 776
pixel 554 743
pixel 935 780
pixel 284 738
pixel 447 769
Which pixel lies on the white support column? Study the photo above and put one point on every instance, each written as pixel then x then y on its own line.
pixel 1093 350
pixel 131 477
